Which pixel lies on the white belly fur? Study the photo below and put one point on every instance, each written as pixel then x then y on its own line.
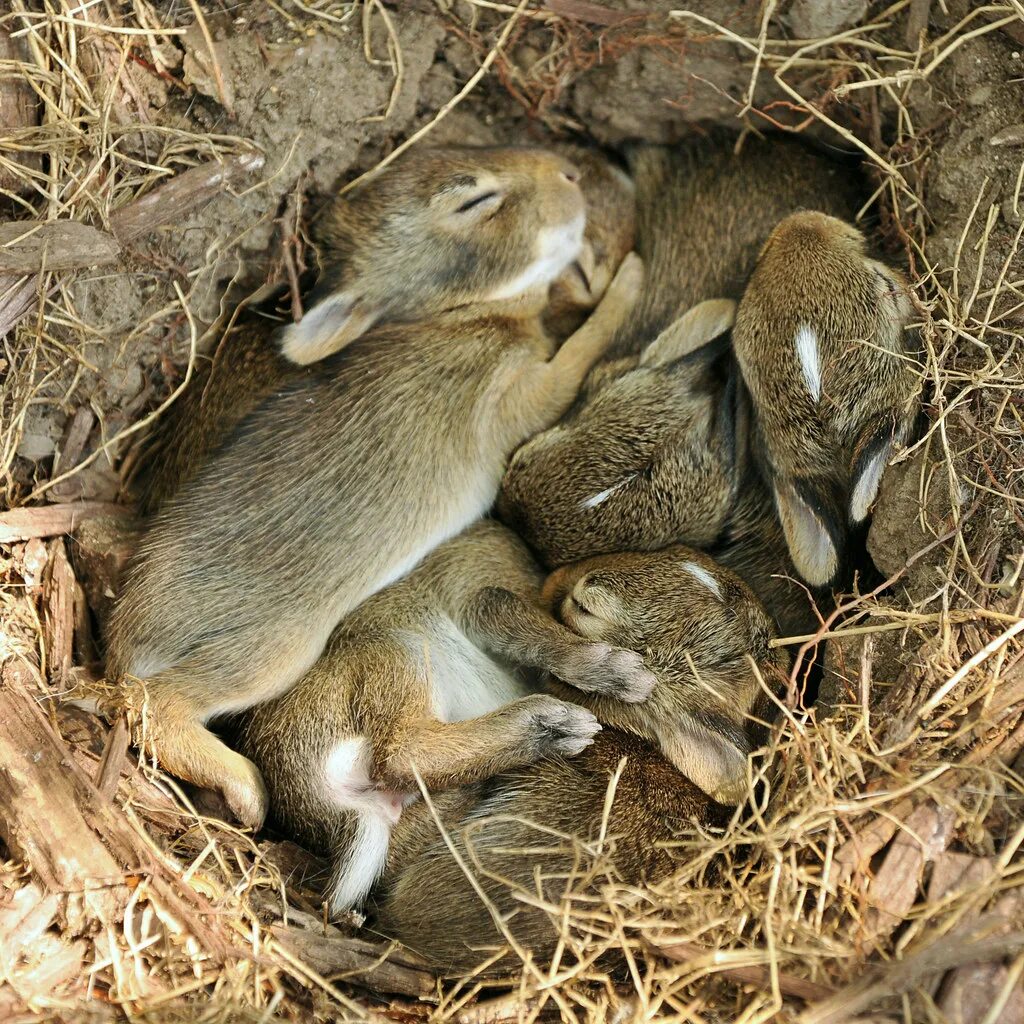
pixel 467 682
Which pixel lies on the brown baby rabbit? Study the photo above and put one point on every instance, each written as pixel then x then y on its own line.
pixel 702 633
pixel 820 338
pixel 340 482
pixel 247 365
pixel 648 459
pixel 426 675
pixel 652 452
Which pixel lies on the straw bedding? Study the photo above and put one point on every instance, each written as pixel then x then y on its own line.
pixel 173 153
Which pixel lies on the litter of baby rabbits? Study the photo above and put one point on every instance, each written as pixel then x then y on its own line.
pixel 874 872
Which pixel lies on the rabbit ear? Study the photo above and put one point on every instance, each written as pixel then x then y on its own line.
pixel 715 762
pixel 327 327
pixel 693 330
pixel 873 451
pixel 814 531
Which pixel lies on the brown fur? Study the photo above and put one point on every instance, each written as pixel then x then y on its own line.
pixel 430 672
pixel 242 371
pixel 666 434
pixel 345 479
pixel 825 455
pixel 509 830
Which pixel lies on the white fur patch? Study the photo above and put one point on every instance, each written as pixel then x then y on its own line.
pixel 465 681
pixel 557 247
pixel 866 489
pixel 806 342
pixel 602 496
pixel 698 572
pixel 348 785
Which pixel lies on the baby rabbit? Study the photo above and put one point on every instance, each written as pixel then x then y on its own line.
pixel 608 194
pixel 340 482
pixel 648 459
pixel 702 633
pixel 819 337
pixel 426 675
pixel 246 365
pixel 652 451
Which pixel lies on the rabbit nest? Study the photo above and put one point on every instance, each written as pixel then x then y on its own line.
pixel 174 152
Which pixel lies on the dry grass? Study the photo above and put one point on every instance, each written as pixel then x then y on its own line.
pixel 883 855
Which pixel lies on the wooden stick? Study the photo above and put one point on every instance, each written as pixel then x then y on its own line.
pixel 32 246
pixel 21 524
pixel 382 968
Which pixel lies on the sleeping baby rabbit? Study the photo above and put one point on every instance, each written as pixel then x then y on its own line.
pixel 707 640
pixel 820 336
pixel 340 482
pixel 246 366
pixel 427 676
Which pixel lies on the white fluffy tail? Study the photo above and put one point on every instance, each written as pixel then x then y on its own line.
pixel 357 869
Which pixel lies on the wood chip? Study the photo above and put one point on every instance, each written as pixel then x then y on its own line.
pixel 181 195
pixel 59 620
pixel 594 14
pixel 894 889
pixel 19 110
pixel 54 819
pixel 69 454
pixel 166 204
pixel 33 246
pixel 52 520
pixel 380 967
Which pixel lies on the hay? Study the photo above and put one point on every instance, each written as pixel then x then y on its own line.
pixel 879 871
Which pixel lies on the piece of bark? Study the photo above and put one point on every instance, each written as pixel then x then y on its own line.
pixel 19 109
pixel 33 246
pixel 69 454
pixel 968 993
pixel 111 766
pixel 85 649
pixel 358 962
pixel 52 520
pixel 591 13
pixel 40 818
pixel 981 941
pixel 32 563
pixel 893 891
pixel 59 618
pixel 180 196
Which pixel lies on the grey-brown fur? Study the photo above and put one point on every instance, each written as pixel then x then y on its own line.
pixel 343 481
pixel 508 829
pixel 243 370
pixel 432 672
